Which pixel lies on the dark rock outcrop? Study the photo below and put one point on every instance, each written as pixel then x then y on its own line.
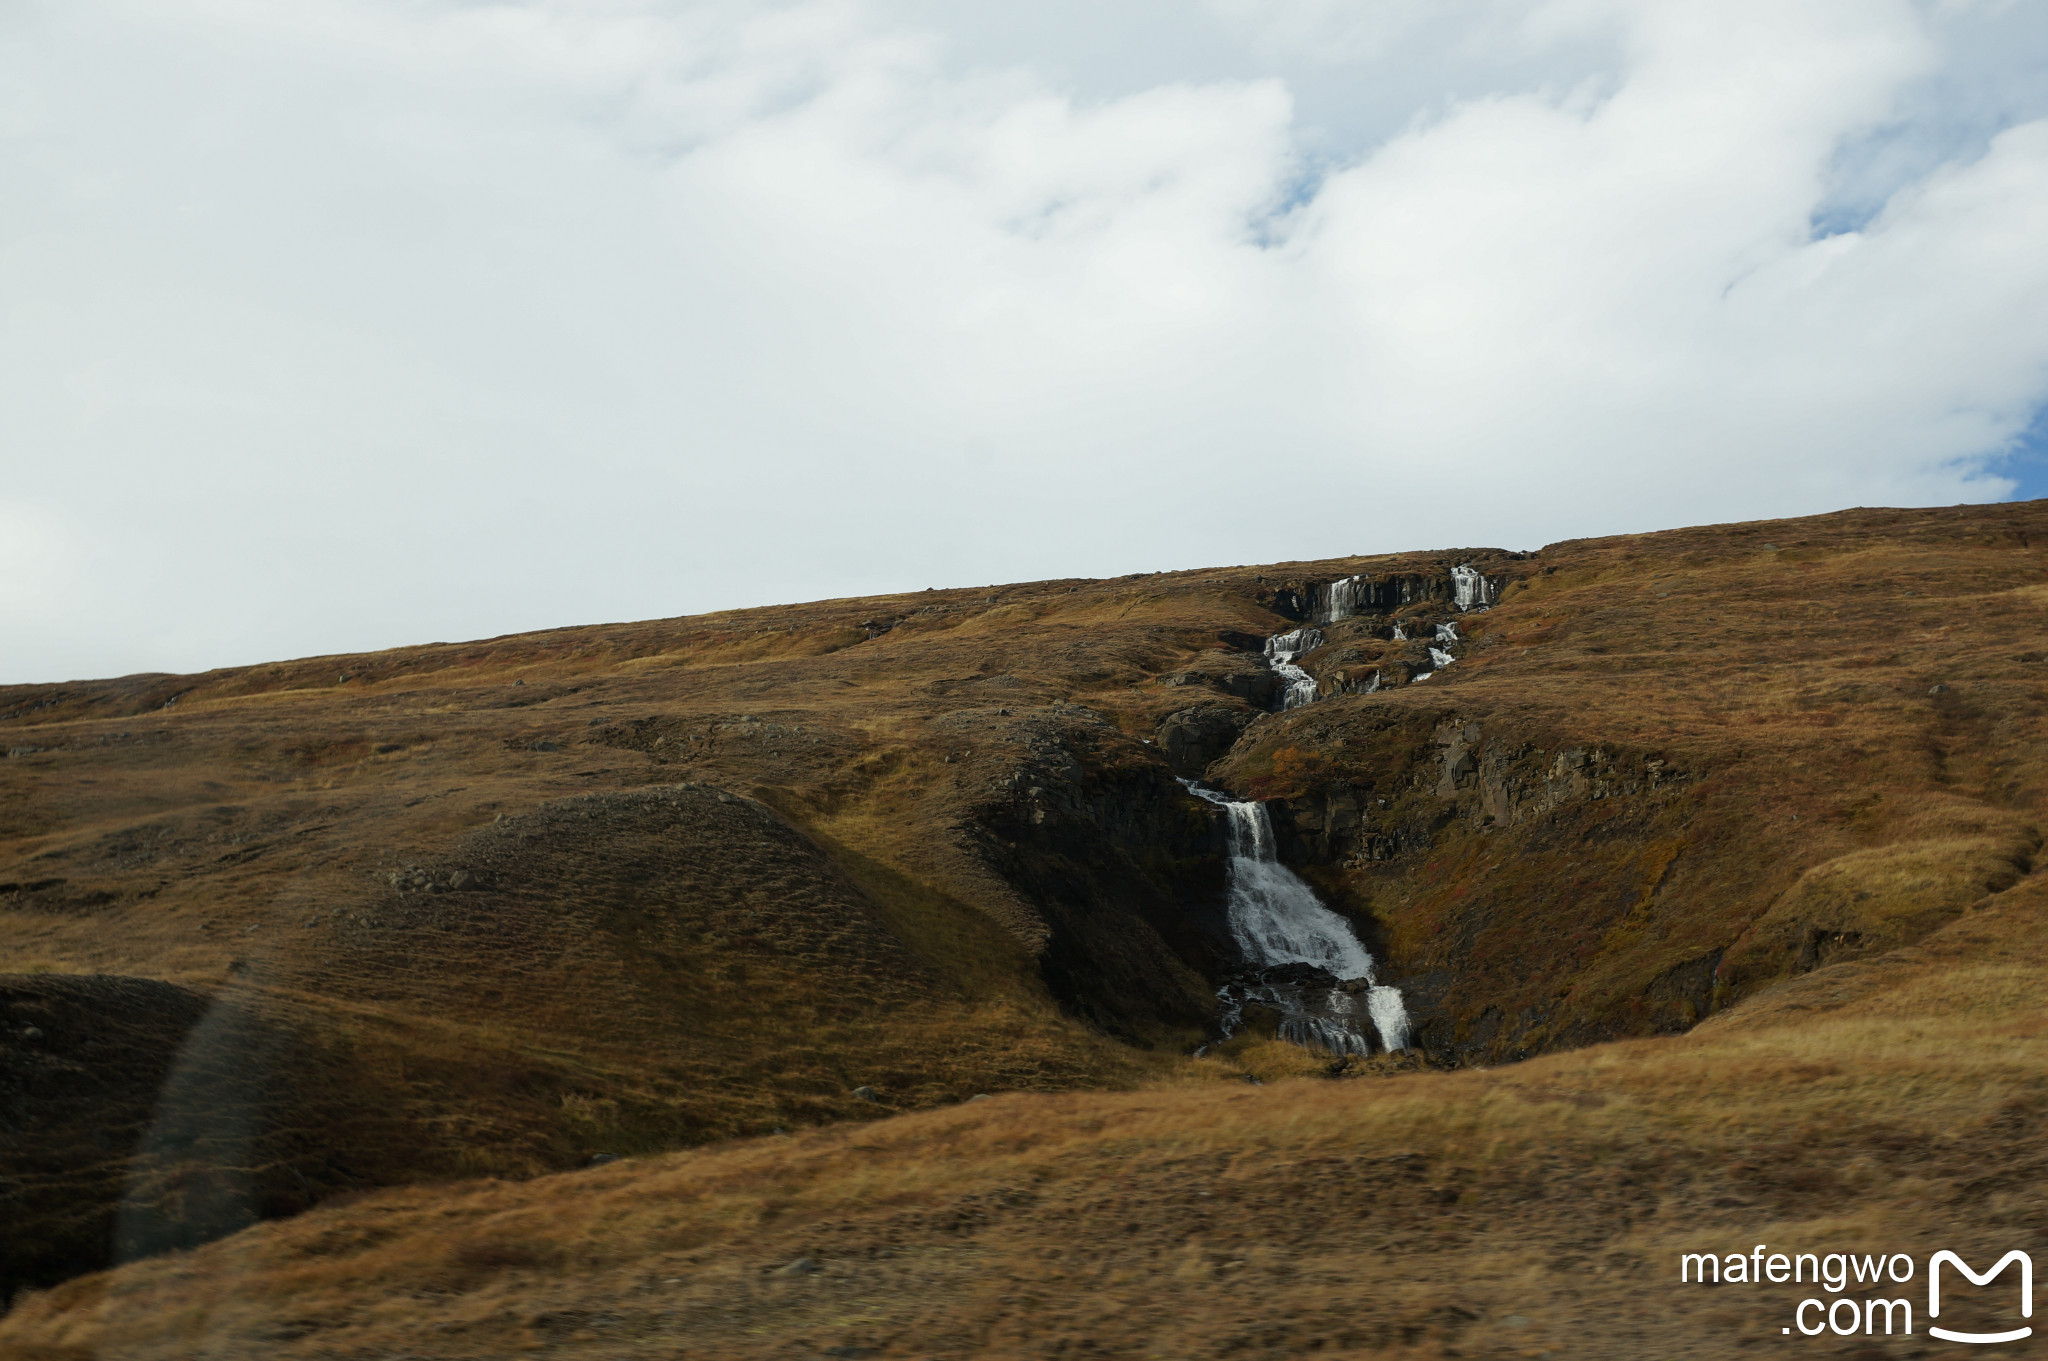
pixel 1192 738
pixel 1240 676
pixel 1124 869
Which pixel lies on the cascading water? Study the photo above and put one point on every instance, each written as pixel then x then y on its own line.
pixel 1347 596
pixel 1472 590
pixel 1281 650
pixel 1303 959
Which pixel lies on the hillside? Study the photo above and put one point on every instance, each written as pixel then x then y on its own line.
pixel 486 910
pixel 1876 1106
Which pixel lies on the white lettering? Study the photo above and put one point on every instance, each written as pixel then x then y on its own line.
pixel 1835 1271
pixel 1934 1294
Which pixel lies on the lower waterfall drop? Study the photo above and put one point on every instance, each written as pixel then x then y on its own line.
pixel 1302 959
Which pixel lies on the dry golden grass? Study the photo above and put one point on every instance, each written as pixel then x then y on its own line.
pixel 1892 1105
pixel 1820 805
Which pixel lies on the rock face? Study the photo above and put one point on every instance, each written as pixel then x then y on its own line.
pixel 1194 738
pixel 1468 579
pixel 1123 872
pixel 1238 676
pixel 1308 1006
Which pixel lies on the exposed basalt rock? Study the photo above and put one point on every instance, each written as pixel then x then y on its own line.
pixel 1193 738
pixel 1505 781
pixel 1344 824
pixel 1473 578
pixel 1243 677
pixel 1125 871
pixel 1467 777
pixel 1304 1005
pixel 1383 594
pixel 1348 648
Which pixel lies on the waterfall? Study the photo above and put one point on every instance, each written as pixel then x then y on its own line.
pixel 1346 597
pixel 1304 960
pixel 1474 592
pixel 1281 650
pixel 1294 642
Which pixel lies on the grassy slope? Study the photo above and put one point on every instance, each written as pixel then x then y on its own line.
pixel 611 984
pixel 236 831
pixel 1826 794
pixel 1886 1105
pixel 231 840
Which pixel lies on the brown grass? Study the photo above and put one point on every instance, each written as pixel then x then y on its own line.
pixel 1817 806
pixel 1893 1105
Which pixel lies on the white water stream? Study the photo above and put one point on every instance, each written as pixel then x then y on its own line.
pixel 1277 921
pixel 1281 650
pixel 1473 591
pixel 1305 960
pixel 1347 596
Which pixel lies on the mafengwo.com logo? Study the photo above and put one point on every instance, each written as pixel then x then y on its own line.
pixel 1872 1295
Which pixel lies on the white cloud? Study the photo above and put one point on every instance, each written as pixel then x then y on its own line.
pixel 358 322
pixel 38 559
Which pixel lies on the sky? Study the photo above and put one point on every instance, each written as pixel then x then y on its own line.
pixel 331 325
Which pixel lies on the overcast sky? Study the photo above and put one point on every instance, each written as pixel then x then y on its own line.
pixel 339 324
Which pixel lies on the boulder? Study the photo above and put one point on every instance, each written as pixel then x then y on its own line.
pixel 1192 738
